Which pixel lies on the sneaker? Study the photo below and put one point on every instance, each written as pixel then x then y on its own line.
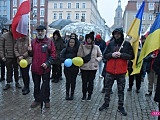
pixel 47 105
pixel 6 87
pixel 149 93
pixel 104 107
pixel 122 110
pixel 71 97
pixel 129 89
pixel 89 97
pixel 35 104
pixel 83 98
pixel 18 85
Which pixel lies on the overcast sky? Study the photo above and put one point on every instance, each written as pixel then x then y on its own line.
pixel 107 9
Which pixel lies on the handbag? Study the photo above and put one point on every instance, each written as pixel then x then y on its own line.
pixel 87 58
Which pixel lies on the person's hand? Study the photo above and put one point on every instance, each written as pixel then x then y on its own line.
pixel 20 58
pixel 29 48
pixel 44 65
pixel 116 54
pixel 153 56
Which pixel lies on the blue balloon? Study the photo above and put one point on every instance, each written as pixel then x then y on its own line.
pixel 68 62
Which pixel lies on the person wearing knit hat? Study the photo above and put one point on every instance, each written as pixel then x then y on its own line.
pixel 89 68
pixel 102 45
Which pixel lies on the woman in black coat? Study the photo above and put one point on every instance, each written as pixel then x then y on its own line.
pixel 70 72
pixel 156 68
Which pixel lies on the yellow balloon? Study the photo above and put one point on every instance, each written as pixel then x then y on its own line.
pixel 23 63
pixel 77 61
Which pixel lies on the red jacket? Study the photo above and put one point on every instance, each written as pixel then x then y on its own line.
pixel 116 66
pixel 42 55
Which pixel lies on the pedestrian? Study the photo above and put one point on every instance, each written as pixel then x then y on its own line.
pixel 7 43
pixel 102 45
pixel 152 77
pixel 56 66
pixel 2 63
pixel 70 72
pixel 21 52
pixel 90 66
pixel 156 68
pixel 43 53
pixel 116 68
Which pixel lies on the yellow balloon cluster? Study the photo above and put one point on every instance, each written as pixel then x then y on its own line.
pixel 23 63
pixel 77 61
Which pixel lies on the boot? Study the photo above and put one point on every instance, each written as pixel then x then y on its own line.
pixel 72 96
pixel 67 96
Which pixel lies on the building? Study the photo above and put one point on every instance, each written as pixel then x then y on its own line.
pixel 131 11
pixel 118 19
pixel 75 10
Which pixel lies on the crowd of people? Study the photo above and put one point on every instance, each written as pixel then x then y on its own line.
pixel 45 55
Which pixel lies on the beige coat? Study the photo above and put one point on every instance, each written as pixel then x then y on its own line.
pixel 96 56
pixel 21 49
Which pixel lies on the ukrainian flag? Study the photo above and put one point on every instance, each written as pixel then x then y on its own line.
pixel 134 32
pixel 152 42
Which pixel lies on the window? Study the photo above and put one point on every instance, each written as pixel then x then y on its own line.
pixel 77 16
pixel 143 17
pixel 34 2
pixel 55 5
pixel 34 12
pixel 41 21
pixel 83 5
pixel 61 5
pixel 69 5
pixel 142 28
pixel 77 5
pixel 69 16
pixel 5 12
pixel 42 2
pixel 60 15
pixel 14 3
pixel 41 12
pixel 14 12
pixel 138 5
pixel 5 3
pixel 150 17
pixel 54 16
pixel 151 6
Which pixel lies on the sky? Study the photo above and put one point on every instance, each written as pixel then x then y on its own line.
pixel 107 9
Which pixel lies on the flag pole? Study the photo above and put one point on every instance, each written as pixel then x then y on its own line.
pixel 122 43
pixel 29 29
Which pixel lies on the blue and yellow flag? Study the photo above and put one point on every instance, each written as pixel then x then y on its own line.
pixel 152 42
pixel 134 32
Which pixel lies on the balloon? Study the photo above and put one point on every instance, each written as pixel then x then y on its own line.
pixel 23 63
pixel 77 61
pixel 68 62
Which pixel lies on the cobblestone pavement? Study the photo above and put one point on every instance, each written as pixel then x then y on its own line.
pixel 15 106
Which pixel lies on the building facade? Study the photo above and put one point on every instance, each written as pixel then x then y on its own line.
pixel 131 11
pixel 75 10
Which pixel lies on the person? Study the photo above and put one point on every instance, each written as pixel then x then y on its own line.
pixel 21 52
pixel 89 68
pixel 116 68
pixel 102 44
pixel 43 53
pixel 4 30
pixel 152 77
pixel 70 52
pixel 138 76
pixel 7 43
pixel 156 68
pixel 56 66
